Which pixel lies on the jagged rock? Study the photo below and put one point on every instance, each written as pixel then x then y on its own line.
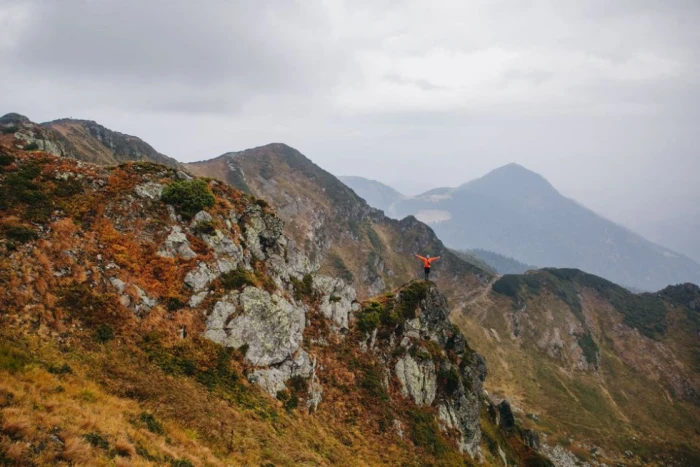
pixel 200 278
pixel 337 299
pixel 273 379
pixel 176 244
pixel 503 455
pixel 201 216
pixel 418 379
pixel 532 439
pixel 223 245
pixel 118 284
pixel 315 390
pixel 269 325
pixel 505 415
pixel 197 299
pixel 150 190
pixel 461 412
pixel 145 301
pixel 398 426
pixel 561 457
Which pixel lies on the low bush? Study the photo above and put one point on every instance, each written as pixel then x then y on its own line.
pixel 153 425
pixel 104 333
pixel 96 440
pixel 304 288
pixel 6 159
pixel 205 228
pixel 188 196
pixel 64 369
pixel 237 279
pixel 19 233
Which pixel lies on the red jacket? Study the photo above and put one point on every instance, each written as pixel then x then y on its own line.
pixel 427 261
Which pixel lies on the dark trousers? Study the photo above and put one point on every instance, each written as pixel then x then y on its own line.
pixel 427 273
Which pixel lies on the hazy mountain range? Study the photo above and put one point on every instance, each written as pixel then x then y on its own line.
pixel 517 213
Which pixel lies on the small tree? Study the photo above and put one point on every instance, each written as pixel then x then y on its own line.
pixel 188 197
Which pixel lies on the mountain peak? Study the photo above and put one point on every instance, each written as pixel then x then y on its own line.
pixel 513 179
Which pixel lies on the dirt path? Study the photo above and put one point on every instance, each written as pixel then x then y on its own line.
pixel 473 300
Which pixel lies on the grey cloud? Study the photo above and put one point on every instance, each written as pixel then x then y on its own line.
pixel 423 84
pixel 550 85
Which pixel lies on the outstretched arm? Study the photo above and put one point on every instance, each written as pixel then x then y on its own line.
pixel 421 257
pixel 435 258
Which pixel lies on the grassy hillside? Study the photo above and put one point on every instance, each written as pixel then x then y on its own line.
pixel 586 360
pixel 138 311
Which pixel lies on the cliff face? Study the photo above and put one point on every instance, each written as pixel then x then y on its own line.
pixel 202 332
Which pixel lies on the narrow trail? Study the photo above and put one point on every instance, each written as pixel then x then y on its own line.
pixel 473 300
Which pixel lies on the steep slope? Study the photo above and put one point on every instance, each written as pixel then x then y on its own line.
pixel 336 228
pixel 153 319
pixel 592 366
pixel 517 213
pixel 377 194
pixel 83 140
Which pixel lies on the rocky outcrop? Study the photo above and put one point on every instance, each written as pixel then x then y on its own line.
pixel 177 245
pixel 418 379
pixel 267 324
pixel 338 300
pixel 429 357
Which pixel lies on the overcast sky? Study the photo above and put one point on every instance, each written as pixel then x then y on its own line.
pixel 601 97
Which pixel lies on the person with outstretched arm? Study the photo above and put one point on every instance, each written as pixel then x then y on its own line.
pixel 426 264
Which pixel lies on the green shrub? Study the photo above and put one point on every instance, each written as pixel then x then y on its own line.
pixel 64 369
pixel 31 146
pixel 303 288
pixel 152 424
pixel 237 279
pixel 174 304
pixel 205 228
pixel 425 432
pixel 368 321
pixel 449 380
pixel 410 298
pixel 11 359
pixel 66 188
pixel 19 233
pixel 96 440
pixel 188 196
pixel 371 382
pixel 589 347
pixel 374 239
pixel 104 333
pixel 508 284
pixel 6 159
pixel 341 269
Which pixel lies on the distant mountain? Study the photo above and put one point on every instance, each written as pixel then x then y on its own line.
pixel 517 213
pixel 680 232
pixel 502 264
pixel 377 194
pixel 84 140
pixel 336 228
